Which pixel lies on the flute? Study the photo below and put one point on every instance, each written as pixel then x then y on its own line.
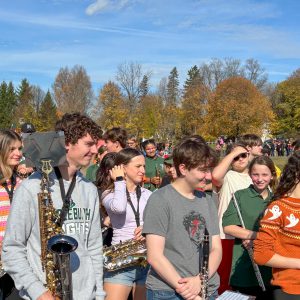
pixel 249 250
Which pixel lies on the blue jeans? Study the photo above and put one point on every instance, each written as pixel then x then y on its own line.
pixel 170 295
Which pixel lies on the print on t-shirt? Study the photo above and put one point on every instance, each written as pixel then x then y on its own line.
pixel 194 224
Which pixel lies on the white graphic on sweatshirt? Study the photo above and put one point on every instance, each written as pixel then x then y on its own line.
pixel 275 210
pixel 293 221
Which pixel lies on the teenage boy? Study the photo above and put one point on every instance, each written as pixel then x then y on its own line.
pixel 253 144
pixel 115 139
pixel 22 244
pixel 175 219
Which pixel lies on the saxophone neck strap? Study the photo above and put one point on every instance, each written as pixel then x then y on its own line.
pixel 66 198
pixel 135 211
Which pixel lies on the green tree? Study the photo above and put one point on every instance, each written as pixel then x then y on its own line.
pixel 173 87
pixel 47 113
pixel 194 103
pixel 288 106
pixel 25 111
pixel 7 104
pixel 144 86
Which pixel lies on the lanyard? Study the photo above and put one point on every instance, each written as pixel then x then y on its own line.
pixel 135 211
pixel 10 192
pixel 66 198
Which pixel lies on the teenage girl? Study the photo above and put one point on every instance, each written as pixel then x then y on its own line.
pixel 251 202
pixel 278 241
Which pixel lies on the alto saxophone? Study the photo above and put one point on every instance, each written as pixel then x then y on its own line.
pixel 125 254
pixel 204 273
pixel 55 247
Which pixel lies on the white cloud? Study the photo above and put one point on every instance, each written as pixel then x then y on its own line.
pixel 101 5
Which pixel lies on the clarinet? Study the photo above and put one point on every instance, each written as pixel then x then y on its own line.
pixel 204 266
pixel 250 250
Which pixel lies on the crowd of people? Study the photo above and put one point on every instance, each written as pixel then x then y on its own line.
pixel 207 225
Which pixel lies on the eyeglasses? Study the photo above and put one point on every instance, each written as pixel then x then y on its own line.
pixel 242 155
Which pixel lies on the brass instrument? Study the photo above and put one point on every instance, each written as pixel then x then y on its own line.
pixel 125 254
pixel 55 247
pixel 157 174
pixel 204 266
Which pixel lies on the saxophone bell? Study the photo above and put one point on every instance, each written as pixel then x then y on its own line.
pixel 62 246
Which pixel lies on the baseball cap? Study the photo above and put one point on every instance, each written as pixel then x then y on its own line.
pixel 27 129
pixel 168 160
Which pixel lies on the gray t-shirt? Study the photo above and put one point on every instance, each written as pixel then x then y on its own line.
pixel 181 221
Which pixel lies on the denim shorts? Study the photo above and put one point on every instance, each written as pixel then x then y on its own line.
pixel 127 276
pixel 170 295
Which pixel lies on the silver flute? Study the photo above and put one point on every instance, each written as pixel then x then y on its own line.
pixel 249 250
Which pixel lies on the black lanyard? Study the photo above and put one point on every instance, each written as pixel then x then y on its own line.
pixel 135 211
pixel 66 198
pixel 10 192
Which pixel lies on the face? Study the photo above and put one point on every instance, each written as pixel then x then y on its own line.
pixel 196 178
pixel 261 177
pixel 150 150
pixel 131 144
pixel 256 150
pixel 240 163
pixel 81 153
pixel 15 154
pixel 135 169
pixel 112 146
pixel 170 171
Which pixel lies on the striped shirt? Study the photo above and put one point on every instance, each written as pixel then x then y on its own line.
pixel 5 206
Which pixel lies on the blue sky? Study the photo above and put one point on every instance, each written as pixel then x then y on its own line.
pixel 38 37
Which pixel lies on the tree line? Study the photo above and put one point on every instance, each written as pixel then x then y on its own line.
pixel 219 97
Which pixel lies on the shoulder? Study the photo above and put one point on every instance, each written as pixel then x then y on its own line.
pixel 161 196
pixel 146 193
pixel 86 184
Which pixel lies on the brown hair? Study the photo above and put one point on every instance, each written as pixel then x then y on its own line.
pixel 116 134
pixel 290 176
pixel 265 161
pixel 250 140
pixel 193 153
pixel 75 126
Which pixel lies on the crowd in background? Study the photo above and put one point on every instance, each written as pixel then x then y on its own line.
pixel 143 186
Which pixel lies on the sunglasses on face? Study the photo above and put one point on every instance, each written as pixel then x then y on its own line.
pixel 242 155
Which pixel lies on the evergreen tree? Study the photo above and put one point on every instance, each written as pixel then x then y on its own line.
pixel 47 113
pixel 7 104
pixel 25 111
pixel 144 86
pixel 173 87
pixel 193 80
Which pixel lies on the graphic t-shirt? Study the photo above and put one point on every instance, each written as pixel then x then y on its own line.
pixel 182 222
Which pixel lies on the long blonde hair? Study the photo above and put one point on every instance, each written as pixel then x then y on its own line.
pixel 7 138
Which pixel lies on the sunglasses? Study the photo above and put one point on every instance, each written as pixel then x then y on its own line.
pixel 242 155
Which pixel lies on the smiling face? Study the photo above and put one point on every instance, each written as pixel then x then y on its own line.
pixel 196 178
pixel 81 153
pixel 261 176
pixel 150 150
pixel 14 154
pixel 135 169
pixel 241 162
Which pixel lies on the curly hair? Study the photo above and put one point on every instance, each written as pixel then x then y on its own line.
pixel 103 180
pixel 75 126
pixel 290 176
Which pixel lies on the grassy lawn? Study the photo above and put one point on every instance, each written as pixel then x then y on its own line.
pixel 280 161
